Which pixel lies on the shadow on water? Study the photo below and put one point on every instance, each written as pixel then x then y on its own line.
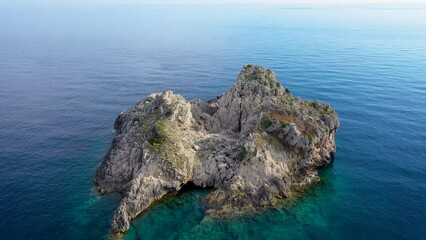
pixel 137 236
pixel 190 186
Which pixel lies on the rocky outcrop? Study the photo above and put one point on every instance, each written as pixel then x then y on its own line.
pixel 255 145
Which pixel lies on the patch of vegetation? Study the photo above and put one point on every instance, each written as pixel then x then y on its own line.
pixel 160 134
pixel 266 122
pixel 312 103
pixel 135 119
pixel 275 142
pixel 256 74
pixel 241 155
pixel 169 113
pixel 282 101
pixel 284 123
pixel 276 91
pixel 289 98
pixel 259 140
pixel 284 117
pixel 310 136
pixel 327 111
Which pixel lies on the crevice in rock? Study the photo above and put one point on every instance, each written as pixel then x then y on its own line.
pixel 331 158
pixel 190 186
pixel 241 116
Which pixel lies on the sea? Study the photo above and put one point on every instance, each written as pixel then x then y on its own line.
pixel 67 71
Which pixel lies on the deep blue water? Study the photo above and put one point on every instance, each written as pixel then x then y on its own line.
pixel 67 72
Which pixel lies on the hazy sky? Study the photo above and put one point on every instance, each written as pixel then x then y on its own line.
pixel 298 2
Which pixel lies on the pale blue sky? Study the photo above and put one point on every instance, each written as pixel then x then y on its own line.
pixel 298 2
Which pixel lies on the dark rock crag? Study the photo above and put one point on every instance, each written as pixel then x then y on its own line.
pixel 255 145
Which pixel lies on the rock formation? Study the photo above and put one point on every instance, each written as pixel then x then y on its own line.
pixel 255 145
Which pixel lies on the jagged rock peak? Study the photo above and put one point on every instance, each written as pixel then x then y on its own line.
pixel 255 145
pixel 257 79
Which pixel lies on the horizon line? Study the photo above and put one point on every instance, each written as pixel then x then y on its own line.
pixel 306 3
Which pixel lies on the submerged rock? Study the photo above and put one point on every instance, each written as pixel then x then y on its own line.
pixel 255 145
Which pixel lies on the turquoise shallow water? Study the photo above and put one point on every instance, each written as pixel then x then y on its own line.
pixel 67 72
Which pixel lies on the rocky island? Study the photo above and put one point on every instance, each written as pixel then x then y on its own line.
pixel 254 145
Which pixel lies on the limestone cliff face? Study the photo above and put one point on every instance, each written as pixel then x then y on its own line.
pixel 254 145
